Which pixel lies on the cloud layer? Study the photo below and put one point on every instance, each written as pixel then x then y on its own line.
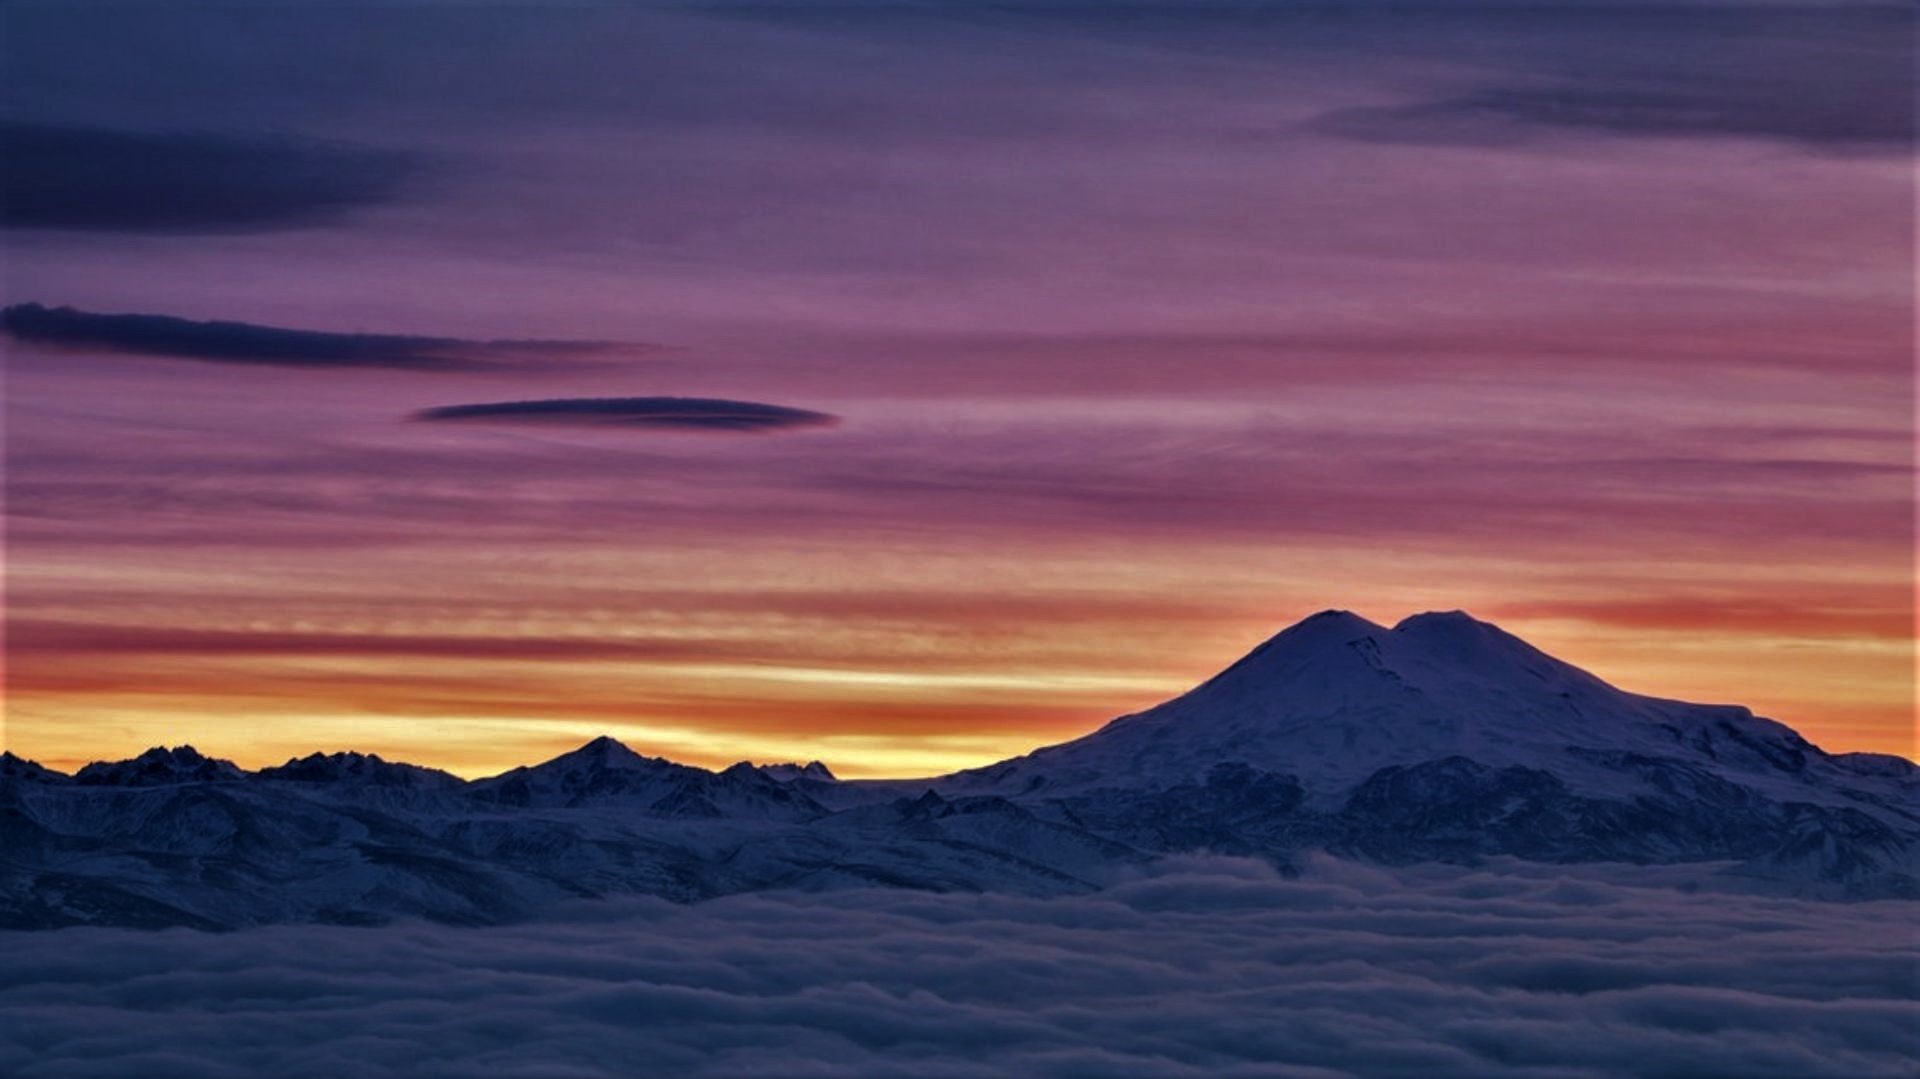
pixel 682 413
pixel 1210 967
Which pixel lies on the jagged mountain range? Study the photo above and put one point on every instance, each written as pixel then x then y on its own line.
pixel 1442 738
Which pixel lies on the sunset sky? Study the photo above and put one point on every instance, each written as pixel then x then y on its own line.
pixel 1068 352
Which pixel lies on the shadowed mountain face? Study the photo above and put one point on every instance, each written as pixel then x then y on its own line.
pixel 1442 739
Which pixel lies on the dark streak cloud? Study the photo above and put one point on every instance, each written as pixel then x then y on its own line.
pixel 1834 80
pixel 683 413
pixel 1510 114
pixel 60 177
pixel 245 342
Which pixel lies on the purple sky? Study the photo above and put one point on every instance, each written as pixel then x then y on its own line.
pixel 1144 331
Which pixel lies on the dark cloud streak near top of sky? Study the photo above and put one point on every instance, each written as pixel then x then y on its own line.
pixel 250 343
pixel 94 179
pixel 1512 113
pixel 1833 80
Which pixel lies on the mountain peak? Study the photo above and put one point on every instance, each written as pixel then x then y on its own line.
pixel 1335 697
pixel 1308 641
pixel 1452 627
pixel 1448 620
pixel 159 765
pixel 17 767
pixel 604 752
pixel 353 766
pixel 788 771
pixel 1336 618
pixel 1329 626
pixel 1461 640
pixel 1458 626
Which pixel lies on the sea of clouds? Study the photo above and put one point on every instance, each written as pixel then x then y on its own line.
pixel 1206 966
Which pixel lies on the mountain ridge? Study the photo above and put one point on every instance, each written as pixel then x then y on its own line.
pixel 1457 624
pixel 1442 738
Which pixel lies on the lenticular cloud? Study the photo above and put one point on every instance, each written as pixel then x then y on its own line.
pixel 1210 967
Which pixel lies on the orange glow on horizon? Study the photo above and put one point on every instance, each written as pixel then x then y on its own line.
pixel 903 700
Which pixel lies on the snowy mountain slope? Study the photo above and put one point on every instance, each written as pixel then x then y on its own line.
pixel 370 844
pixel 1336 697
pixel 1447 738
pixel 227 853
pixel 1440 739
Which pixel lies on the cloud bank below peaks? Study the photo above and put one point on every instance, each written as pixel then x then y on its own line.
pixel 1207 966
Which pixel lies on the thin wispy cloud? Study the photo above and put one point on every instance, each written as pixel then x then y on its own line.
pixel 1516 113
pixel 1837 79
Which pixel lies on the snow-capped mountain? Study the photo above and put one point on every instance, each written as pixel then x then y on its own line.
pixel 1446 737
pixel 1336 698
pixel 1441 739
